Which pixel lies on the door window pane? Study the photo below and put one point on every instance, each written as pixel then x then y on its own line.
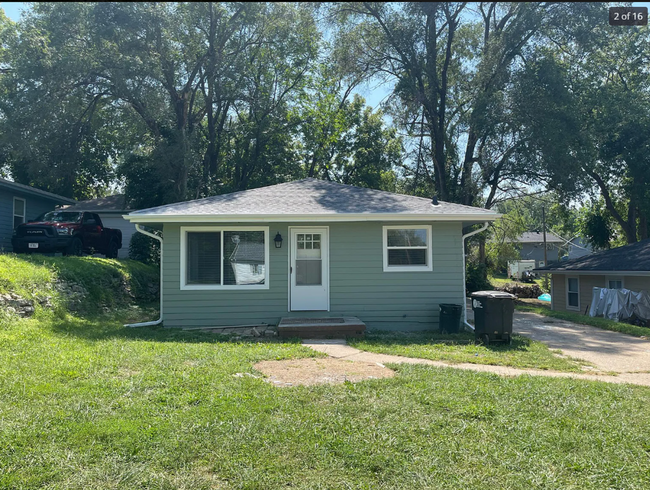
pixel 204 258
pixel 243 257
pixel 309 272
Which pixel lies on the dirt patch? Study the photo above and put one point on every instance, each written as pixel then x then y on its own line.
pixel 311 371
pixel 533 302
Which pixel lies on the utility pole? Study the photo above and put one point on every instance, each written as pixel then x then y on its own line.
pixel 545 259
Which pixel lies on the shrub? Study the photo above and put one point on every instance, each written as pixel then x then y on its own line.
pixel 476 278
pixel 144 248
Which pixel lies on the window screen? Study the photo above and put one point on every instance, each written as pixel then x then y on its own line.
pixel 204 258
pixel 407 247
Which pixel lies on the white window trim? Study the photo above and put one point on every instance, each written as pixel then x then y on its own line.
pixel 406 268
pixel 24 216
pixel 221 229
pixel 614 278
pixel 568 307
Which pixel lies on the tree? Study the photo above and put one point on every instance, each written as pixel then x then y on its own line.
pixel 587 117
pixel 344 140
pixel 452 69
pixel 199 94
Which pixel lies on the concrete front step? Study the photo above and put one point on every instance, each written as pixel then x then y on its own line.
pixel 322 327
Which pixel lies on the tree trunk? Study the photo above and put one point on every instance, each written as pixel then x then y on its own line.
pixel 630 232
pixel 466 195
pixel 643 225
pixel 482 256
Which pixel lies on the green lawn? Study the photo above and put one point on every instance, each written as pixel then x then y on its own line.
pixel 599 322
pixel 499 280
pixel 89 404
pixel 86 403
pixel 523 353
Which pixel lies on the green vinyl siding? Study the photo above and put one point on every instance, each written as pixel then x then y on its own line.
pixel 358 285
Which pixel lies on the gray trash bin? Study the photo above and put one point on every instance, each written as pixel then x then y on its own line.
pixel 493 312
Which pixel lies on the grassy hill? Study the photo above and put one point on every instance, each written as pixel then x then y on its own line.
pixel 84 284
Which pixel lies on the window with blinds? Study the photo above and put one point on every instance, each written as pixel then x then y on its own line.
pixel 204 257
pixel 224 258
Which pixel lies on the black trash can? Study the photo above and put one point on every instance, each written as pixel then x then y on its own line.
pixel 493 312
pixel 450 318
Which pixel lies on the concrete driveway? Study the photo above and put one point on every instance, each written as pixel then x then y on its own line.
pixel 608 351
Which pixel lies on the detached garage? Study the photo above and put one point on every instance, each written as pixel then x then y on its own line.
pixel 110 209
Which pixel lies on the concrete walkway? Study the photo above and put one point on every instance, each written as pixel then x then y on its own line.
pixel 339 349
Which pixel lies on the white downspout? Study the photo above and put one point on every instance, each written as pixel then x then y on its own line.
pixel 160 318
pixel 464 303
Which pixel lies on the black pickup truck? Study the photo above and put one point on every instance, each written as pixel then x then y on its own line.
pixel 70 232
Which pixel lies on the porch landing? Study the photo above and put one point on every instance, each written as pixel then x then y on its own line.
pixel 318 328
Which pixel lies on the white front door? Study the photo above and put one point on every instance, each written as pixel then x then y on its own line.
pixel 309 269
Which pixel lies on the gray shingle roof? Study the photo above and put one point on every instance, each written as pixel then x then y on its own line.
pixel 114 203
pixel 312 197
pixel 34 191
pixel 538 237
pixel 631 258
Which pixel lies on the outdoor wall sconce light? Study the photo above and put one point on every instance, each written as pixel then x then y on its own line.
pixel 278 240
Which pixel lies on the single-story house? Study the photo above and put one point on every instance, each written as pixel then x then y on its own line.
pixel 557 248
pixel 572 281
pixel 20 203
pixel 110 209
pixel 310 248
pixel 578 247
pixel 532 247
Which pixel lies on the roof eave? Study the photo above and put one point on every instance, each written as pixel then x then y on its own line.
pixel 579 272
pixel 37 192
pixel 243 218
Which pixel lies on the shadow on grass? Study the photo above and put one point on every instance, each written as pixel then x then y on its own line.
pixel 108 326
pixel 381 338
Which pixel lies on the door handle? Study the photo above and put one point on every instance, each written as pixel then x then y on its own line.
pixel 290 270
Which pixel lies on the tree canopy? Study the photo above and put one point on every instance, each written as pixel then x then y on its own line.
pixel 489 102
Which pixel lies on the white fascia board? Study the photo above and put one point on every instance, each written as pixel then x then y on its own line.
pixel 302 218
pixel 597 273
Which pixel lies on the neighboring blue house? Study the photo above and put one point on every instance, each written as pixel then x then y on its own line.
pixel 20 203
pixel 532 247
pixel 557 248
pixel 579 247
